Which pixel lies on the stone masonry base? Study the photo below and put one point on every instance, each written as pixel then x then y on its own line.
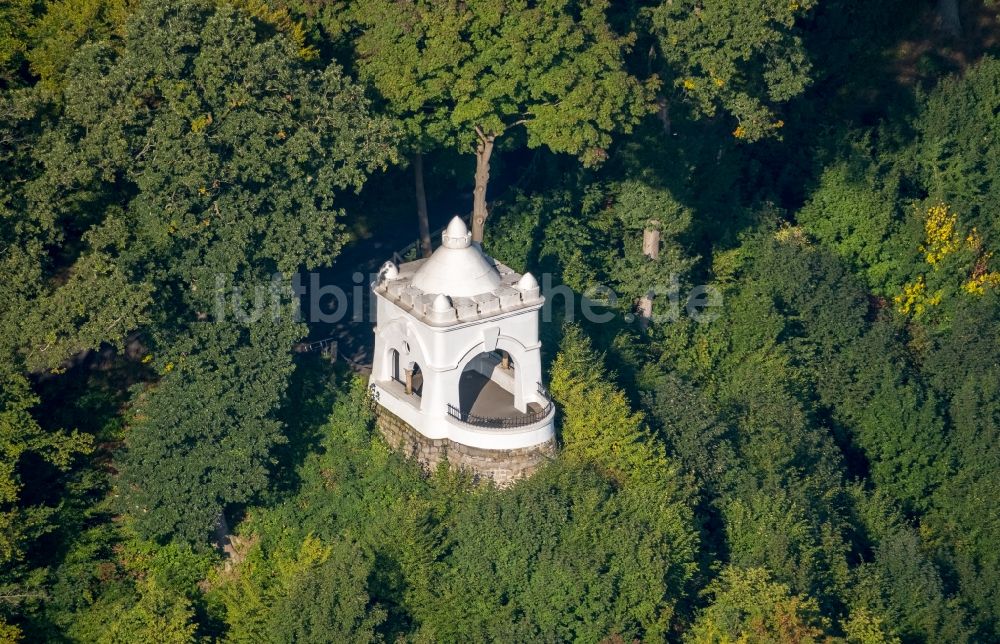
pixel 503 466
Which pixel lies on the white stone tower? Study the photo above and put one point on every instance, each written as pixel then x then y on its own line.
pixel 457 367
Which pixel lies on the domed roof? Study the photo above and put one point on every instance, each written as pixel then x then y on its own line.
pixel 527 282
pixel 457 268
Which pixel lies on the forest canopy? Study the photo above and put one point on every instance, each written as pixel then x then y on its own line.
pixel 816 461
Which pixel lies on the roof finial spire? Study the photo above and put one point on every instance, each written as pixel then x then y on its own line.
pixel 457 234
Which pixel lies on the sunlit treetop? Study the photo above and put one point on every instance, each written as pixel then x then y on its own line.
pixel 454 70
pixel 741 58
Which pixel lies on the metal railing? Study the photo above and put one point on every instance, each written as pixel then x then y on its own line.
pixel 504 422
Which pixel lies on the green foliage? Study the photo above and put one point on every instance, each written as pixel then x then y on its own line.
pixel 512 238
pixel 690 426
pixel 20 436
pixel 9 632
pixel 893 416
pixel 158 616
pixel 591 238
pixel 97 303
pixel 637 207
pixel 776 468
pixel 218 159
pixel 352 483
pixel 598 424
pixel 327 22
pixel 448 68
pixel 747 606
pixel 816 463
pixel 773 528
pixel 899 580
pixel 958 146
pixel 16 18
pixel 24 238
pixel 356 498
pixel 317 594
pixel 907 589
pixel 65 27
pixel 202 437
pixel 599 428
pixel 113 587
pixel 963 365
pixel 855 212
pixel 570 245
pixel 562 556
pixel 744 58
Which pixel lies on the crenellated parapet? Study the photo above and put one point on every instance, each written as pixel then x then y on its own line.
pixel 457 354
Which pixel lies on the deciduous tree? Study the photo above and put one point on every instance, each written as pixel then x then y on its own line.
pixel 747 606
pixel 206 149
pixel 744 58
pixel 468 73
pixel 202 437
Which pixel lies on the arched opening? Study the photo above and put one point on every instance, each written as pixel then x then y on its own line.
pixel 394 372
pixel 417 381
pixel 488 386
pixel 406 375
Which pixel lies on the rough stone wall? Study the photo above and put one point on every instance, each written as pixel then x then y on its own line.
pixel 503 466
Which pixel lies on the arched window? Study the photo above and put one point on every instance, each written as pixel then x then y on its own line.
pixel 417 380
pixel 394 372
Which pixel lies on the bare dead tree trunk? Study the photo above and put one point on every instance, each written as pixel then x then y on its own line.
pixel 651 241
pixel 221 535
pixel 663 113
pixel 484 150
pixel 951 21
pixel 651 249
pixel 423 222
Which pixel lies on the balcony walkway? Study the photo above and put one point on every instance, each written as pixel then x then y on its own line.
pixel 479 395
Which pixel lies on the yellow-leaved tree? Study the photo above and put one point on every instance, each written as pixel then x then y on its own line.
pixel 958 264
